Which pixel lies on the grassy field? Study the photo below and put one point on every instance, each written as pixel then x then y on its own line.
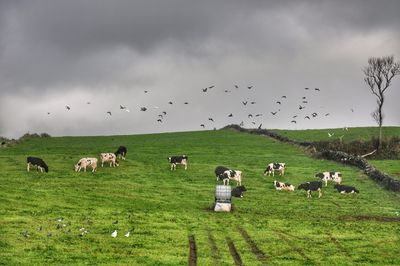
pixel 390 167
pixel 358 133
pixel 42 215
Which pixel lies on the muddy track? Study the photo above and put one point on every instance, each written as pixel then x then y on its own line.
pixel 214 248
pixel 234 252
pixel 297 249
pixel 382 219
pixel 254 248
pixel 192 251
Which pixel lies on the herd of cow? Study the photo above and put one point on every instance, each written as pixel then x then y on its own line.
pixel 222 173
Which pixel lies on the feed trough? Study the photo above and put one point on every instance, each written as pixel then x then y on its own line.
pixel 223 198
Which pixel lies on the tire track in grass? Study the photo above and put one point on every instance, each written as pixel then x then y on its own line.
pixel 339 246
pixel 234 252
pixel 295 248
pixel 214 248
pixel 253 246
pixel 192 251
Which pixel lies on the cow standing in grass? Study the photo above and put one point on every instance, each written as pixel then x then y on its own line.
pixel 234 175
pixel 109 157
pixel 38 162
pixel 175 160
pixel 335 177
pixel 86 162
pixel 272 167
pixel 121 152
pixel 312 186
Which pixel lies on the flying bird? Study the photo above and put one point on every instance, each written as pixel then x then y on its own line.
pixel 250 115
pixel 164 112
pixel 146 91
pixel 48 113
pixel 230 115
pixel 274 113
pixel 143 109
pixel 249 87
pixel 205 89
pixel 252 102
pixel 294 116
pixel 257 115
pixel 259 127
pixel 109 112
pixel 304 97
pixel 211 87
pixel 227 91
pixel 159 120
pixel 67 107
pixel 202 125
pixel 186 103
pixel 317 89
pixel 293 121
pixel 284 96
pixel 301 107
pixel 314 114
pixel 305 101
pixel 331 134
pixel 88 103
pixel 236 86
pixel 212 120
pixel 244 103
pixel 114 234
pixel 278 102
pixel 307 117
pixel 170 102
pixel 326 114
pixel 161 116
pixel 306 88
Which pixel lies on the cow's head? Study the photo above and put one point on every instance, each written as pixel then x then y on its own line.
pixel 320 175
pixel 169 159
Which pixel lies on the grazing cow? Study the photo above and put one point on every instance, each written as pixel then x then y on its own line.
pixel 272 167
pixel 238 191
pixel 330 176
pixel 346 189
pixel 174 160
pixel 283 186
pixel 38 162
pixel 109 157
pixel 86 162
pixel 232 174
pixel 121 152
pixel 219 172
pixel 312 186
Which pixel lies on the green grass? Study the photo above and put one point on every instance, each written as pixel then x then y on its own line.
pixel 358 133
pixel 164 207
pixel 390 167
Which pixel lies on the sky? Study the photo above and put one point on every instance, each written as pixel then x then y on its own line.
pixel 95 55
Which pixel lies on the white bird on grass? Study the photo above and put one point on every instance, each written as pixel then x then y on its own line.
pixel 114 234
pixel 128 234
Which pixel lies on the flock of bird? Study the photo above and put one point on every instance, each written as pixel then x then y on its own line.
pixel 302 113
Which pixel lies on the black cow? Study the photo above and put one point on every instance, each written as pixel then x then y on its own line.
pixel 39 163
pixel 238 191
pixel 312 186
pixel 346 189
pixel 174 160
pixel 121 152
pixel 219 172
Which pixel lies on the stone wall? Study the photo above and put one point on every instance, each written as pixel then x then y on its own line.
pixel 383 179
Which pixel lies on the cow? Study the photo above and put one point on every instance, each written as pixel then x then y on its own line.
pixel 121 152
pixel 312 186
pixel 109 157
pixel 346 189
pixel 219 171
pixel 272 167
pixel 174 160
pixel 283 186
pixel 38 162
pixel 86 162
pixel 232 174
pixel 238 191
pixel 330 176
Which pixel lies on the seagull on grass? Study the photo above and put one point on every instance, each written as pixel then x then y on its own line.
pixel 114 234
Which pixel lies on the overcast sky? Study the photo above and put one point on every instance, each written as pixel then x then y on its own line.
pixel 58 53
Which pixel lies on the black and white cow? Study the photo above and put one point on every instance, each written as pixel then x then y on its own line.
pixel 219 172
pixel 346 189
pixel 238 191
pixel 232 174
pixel 312 186
pixel 330 176
pixel 283 186
pixel 272 167
pixel 174 160
pixel 38 162
pixel 121 152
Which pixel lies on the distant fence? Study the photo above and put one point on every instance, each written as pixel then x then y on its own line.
pixel 383 179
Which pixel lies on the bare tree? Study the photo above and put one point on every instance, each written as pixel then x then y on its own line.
pixel 378 76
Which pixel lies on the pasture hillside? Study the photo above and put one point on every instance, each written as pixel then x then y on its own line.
pixel 64 217
pixel 349 134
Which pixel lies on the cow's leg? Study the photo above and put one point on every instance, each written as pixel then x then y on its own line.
pixel 41 169
pixel 185 166
pixel 27 167
pixel 102 163
pixel 309 194
pixel 319 193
